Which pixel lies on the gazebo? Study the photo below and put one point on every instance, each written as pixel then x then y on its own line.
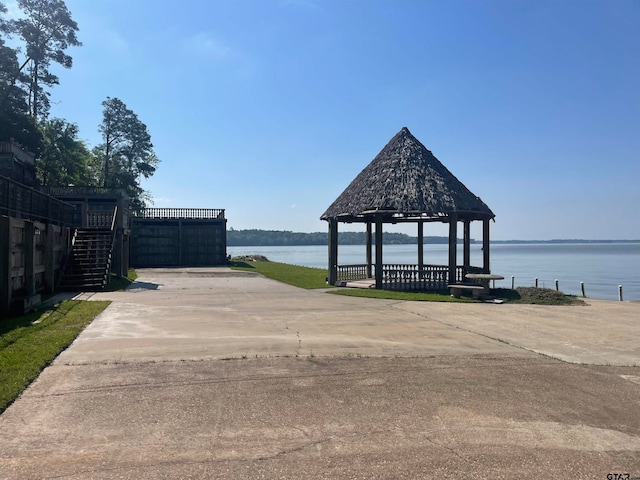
pixel 405 182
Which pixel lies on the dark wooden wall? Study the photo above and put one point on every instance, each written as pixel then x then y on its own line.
pixel 178 242
pixel 31 256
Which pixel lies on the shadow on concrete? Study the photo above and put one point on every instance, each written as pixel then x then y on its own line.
pixel 143 286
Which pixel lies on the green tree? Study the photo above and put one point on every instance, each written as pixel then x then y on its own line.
pixel 47 31
pixel 126 153
pixel 3 22
pixel 64 159
pixel 15 121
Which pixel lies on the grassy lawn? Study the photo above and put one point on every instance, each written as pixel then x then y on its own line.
pixel 439 296
pixel 29 343
pixel 306 277
pixel 303 277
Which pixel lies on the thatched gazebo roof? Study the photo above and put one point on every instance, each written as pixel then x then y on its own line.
pixel 405 181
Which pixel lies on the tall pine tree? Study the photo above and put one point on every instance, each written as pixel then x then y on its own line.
pixel 47 31
pixel 126 152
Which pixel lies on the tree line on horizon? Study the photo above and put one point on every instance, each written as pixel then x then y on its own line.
pixel 43 33
pixel 283 238
pixel 266 238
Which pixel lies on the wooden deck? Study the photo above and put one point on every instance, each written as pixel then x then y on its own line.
pixel 364 283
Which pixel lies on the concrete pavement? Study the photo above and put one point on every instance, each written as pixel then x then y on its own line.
pixel 210 373
pixel 220 313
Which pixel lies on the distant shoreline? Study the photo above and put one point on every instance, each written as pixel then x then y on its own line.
pixel 283 238
pixel 577 240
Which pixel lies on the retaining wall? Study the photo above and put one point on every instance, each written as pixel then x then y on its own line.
pixel 31 256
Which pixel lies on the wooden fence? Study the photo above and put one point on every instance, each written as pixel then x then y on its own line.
pixel 180 213
pixel 407 277
pixel 162 242
pixel 20 201
pixel 86 192
pixel 352 272
pixel 101 218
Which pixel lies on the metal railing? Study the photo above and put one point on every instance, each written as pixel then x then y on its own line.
pixel 180 213
pixel 18 200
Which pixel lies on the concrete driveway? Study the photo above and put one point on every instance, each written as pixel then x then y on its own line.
pixel 210 373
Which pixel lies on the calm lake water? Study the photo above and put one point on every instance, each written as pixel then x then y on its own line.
pixel 601 266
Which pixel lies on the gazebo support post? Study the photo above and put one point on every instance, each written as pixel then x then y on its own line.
pixel 453 247
pixel 420 248
pixel 485 245
pixel 369 250
pixel 379 252
pixel 466 261
pixel 333 252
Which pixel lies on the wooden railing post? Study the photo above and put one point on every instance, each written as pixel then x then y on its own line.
pixel 49 258
pixel 466 247
pixel 379 273
pixel 420 245
pixel 29 257
pixel 5 264
pixel 369 250
pixel 332 276
pixel 453 247
pixel 486 268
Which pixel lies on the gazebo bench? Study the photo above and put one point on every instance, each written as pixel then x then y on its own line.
pixel 458 288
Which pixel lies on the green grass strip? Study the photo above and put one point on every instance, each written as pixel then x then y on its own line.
pixel 31 342
pixel 303 277
pixel 306 277
pixel 440 296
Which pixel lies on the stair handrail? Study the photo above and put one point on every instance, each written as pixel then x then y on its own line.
pixel 114 230
pixel 113 219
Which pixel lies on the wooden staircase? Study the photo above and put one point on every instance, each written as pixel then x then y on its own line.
pixel 88 267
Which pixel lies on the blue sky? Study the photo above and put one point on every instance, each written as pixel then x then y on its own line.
pixel 269 108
